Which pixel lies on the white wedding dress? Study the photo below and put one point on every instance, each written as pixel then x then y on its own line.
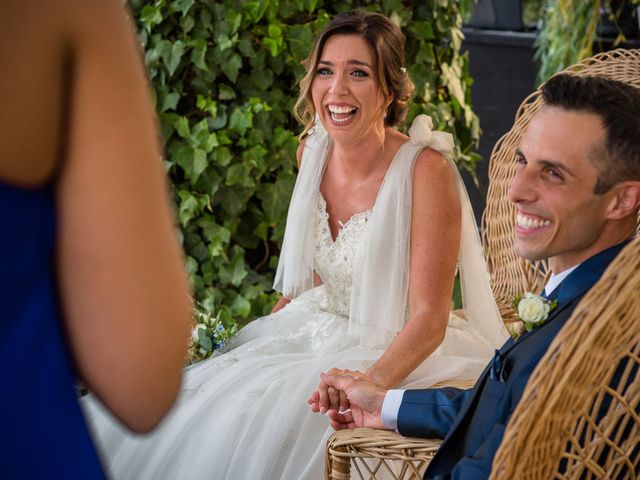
pixel 243 414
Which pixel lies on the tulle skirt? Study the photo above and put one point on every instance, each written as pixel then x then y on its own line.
pixel 243 414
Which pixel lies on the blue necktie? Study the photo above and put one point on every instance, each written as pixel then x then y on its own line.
pixel 496 366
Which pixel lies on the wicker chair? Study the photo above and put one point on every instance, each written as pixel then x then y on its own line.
pixel 374 451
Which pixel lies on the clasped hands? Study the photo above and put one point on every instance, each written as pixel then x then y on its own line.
pixel 349 398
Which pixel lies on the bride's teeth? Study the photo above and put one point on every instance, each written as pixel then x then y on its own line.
pixel 341 114
pixel 336 109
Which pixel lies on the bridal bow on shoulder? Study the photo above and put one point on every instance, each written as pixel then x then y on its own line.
pixel 421 133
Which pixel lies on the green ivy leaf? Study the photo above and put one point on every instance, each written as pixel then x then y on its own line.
pixel 275 198
pixel 233 200
pixel 299 38
pixel 225 92
pixel 171 53
pixel 255 10
pixel 274 30
pixel 273 44
pixel 188 206
pixel 192 160
pixel 150 16
pixel 207 105
pixel 170 102
pixel 224 42
pixel 199 163
pixel 241 307
pixel 218 121
pixel 214 231
pixel 181 125
pixel 187 24
pixel 191 266
pixel 236 174
pixel 232 66
pixel 234 19
pixel 198 54
pixel 238 270
pixel 424 30
pixel 264 80
pixel 241 120
pixel 184 6
pixel 222 156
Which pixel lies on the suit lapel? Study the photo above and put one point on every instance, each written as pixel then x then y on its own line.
pixel 576 284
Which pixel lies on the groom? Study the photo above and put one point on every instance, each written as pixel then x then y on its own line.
pixel 576 192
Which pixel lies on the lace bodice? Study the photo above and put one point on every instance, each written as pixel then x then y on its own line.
pixel 336 261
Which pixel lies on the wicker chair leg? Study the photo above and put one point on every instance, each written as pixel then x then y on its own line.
pixel 341 469
pixel 338 467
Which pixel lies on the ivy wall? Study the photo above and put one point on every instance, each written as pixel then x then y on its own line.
pixel 224 78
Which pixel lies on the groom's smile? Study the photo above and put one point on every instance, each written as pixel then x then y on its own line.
pixel 528 223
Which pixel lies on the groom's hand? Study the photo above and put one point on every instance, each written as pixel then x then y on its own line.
pixel 365 402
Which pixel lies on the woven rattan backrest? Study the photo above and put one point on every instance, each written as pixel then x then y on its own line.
pixel 511 274
pixel 562 418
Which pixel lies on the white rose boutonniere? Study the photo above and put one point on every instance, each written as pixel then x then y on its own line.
pixel 533 311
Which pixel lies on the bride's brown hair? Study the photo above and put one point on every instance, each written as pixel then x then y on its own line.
pixel 387 44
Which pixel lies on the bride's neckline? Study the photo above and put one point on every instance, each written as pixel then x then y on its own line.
pixel 369 210
pixel 343 225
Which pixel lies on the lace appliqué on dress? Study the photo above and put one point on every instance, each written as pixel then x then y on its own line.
pixel 336 260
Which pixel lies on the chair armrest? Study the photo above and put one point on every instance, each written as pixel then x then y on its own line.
pixel 373 451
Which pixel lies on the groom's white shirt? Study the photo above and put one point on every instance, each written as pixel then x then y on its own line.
pixel 556 280
pixel 393 398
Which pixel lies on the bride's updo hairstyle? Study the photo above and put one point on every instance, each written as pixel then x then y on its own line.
pixel 387 45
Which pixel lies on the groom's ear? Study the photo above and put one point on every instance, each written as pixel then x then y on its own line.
pixel 625 200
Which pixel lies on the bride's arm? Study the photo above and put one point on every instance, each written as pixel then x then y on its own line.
pixel 283 301
pixel 434 245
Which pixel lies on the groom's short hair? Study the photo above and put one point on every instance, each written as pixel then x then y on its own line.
pixel 618 106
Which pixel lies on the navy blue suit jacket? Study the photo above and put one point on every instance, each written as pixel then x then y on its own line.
pixel 472 422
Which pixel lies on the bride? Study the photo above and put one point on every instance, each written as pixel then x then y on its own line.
pixel 376 225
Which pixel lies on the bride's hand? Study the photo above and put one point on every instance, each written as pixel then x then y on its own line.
pixel 281 304
pixel 328 398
